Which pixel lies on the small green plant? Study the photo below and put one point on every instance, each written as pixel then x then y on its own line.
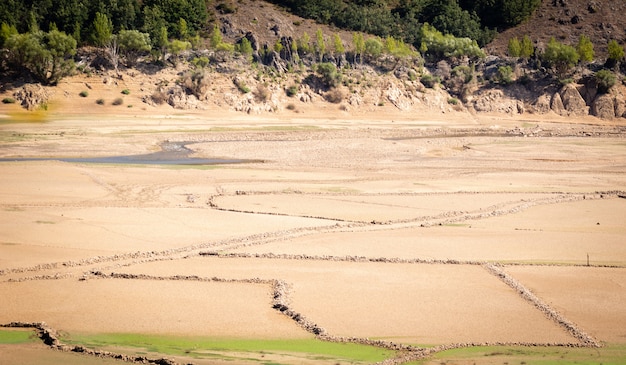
pixel 118 101
pixel 100 101
pixel 84 94
pixel 605 79
pixel 241 85
pixel 8 101
pixel 429 81
pixel 505 75
pixel 453 101
pixel 292 91
pixel 291 106
pixel 616 53
pixel 126 92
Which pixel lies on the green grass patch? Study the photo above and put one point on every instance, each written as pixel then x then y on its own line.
pixel 13 336
pixel 609 355
pixel 200 347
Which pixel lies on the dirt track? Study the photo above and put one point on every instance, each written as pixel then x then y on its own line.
pixel 391 225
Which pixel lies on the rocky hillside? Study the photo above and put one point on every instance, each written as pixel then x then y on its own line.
pixel 280 84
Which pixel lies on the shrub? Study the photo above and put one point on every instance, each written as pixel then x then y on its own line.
pixel 241 85
pixel 126 92
pixel 100 101
pixel 291 106
pixel 527 49
pixel 616 53
pixel 329 75
pixel 262 93
pixel 292 91
pixel 84 94
pixel 159 97
pixel 505 75
pixel 8 101
pixel 585 49
pixel 453 101
pixel 334 96
pixel 560 56
pixel 429 81
pixel 515 47
pixel 605 79
pixel 200 62
pixel 439 45
pixel 118 101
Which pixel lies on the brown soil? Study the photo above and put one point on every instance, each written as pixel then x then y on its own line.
pixel 361 189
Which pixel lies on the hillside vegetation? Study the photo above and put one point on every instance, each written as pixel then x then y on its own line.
pixel 424 44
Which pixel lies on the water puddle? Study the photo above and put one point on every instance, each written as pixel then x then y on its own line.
pixel 172 153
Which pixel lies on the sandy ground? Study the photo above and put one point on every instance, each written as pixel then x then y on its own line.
pixel 374 186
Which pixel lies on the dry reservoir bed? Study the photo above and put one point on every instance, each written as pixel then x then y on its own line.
pixel 383 234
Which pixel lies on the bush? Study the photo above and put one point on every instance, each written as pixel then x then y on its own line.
pixel 585 49
pixel 84 94
pixel 126 92
pixel 616 53
pixel 515 47
pixel 438 45
pixel 100 101
pixel 328 73
pixel 292 91
pixel 48 56
pixel 605 79
pixel 505 75
pixel 334 96
pixel 241 85
pixel 262 93
pixel 429 81
pixel 8 101
pixel 560 56
pixel 118 101
pixel 159 97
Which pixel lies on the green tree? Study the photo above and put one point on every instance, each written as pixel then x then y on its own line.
pixel 616 53
pixel 6 31
pixel 183 29
pixel 216 37
pixel 527 49
pixel 605 79
pixel 585 49
pixel 132 44
pixel 328 73
pixel 338 46
pixel 438 45
pixel 515 47
pixel 245 48
pixel 359 45
pixel 560 56
pixel 373 47
pixel 176 47
pixel 48 56
pixel 320 44
pixel 304 43
pixel 102 30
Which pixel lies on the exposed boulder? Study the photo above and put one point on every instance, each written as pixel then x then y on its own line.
pixel 573 102
pixel 542 104
pixel 32 96
pixel 556 104
pixel 179 99
pixel 604 106
pixel 494 100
